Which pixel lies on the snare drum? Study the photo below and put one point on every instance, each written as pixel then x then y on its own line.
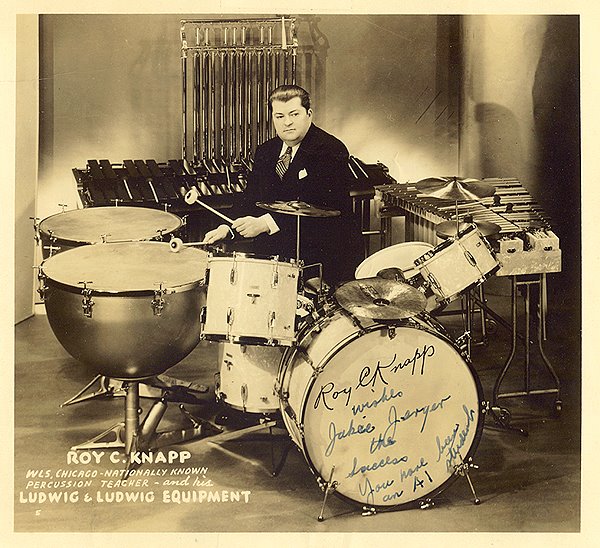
pixel 388 413
pixel 130 310
pixel 104 224
pixel 251 300
pixel 458 264
pixel 402 257
pixel 247 377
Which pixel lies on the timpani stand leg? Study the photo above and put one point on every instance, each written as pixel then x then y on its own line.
pixel 153 387
pixel 526 283
pixel 131 436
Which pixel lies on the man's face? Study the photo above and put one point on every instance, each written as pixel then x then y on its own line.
pixel 291 120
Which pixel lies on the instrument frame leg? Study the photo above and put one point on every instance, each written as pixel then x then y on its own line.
pixel 526 283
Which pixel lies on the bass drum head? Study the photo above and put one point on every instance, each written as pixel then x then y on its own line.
pixel 390 418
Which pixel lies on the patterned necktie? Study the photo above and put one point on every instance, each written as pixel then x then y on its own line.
pixel 283 163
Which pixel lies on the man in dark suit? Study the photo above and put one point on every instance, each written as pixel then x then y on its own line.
pixel 303 163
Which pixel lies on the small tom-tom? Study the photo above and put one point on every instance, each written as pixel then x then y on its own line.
pixel 458 264
pixel 251 300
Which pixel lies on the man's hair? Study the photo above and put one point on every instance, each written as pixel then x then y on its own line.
pixel 287 92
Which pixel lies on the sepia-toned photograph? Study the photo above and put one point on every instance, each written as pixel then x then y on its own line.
pixel 306 272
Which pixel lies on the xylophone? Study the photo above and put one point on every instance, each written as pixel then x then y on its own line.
pixel 525 244
pixel 151 184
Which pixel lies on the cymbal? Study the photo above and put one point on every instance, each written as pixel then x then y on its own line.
pixel 298 208
pixel 455 188
pixel 447 229
pixel 380 299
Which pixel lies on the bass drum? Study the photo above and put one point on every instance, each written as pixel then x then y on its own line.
pixel 386 412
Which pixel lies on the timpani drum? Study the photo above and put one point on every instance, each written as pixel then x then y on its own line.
pixel 130 310
pixel 251 300
pixel 93 225
pixel 386 413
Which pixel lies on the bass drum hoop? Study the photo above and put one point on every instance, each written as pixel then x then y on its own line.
pixel 359 332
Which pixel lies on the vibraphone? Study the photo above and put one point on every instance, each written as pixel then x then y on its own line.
pixel 525 247
pixel 525 244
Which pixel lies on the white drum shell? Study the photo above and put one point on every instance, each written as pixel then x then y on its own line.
pixel 400 256
pixel 404 447
pixel 457 265
pixel 251 300
pixel 248 377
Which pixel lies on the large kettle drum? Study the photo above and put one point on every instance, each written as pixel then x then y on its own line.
pixel 92 225
pixel 129 310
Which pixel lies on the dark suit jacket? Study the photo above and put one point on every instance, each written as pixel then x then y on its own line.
pixel 319 175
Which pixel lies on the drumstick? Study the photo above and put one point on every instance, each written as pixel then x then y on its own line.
pixel 177 244
pixel 191 197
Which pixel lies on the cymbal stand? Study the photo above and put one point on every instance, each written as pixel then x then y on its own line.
pixel 298 239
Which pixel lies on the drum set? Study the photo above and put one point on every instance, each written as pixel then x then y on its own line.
pixel 385 407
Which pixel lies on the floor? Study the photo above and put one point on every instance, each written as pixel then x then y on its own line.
pixel 525 483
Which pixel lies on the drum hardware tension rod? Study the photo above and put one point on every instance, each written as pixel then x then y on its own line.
pixel 426 504
pixel 329 486
pixel 36 229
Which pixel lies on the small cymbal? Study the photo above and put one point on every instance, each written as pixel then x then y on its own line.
pixel 447 229
pixel 298 208
pixel 455 188
pixel 380 299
